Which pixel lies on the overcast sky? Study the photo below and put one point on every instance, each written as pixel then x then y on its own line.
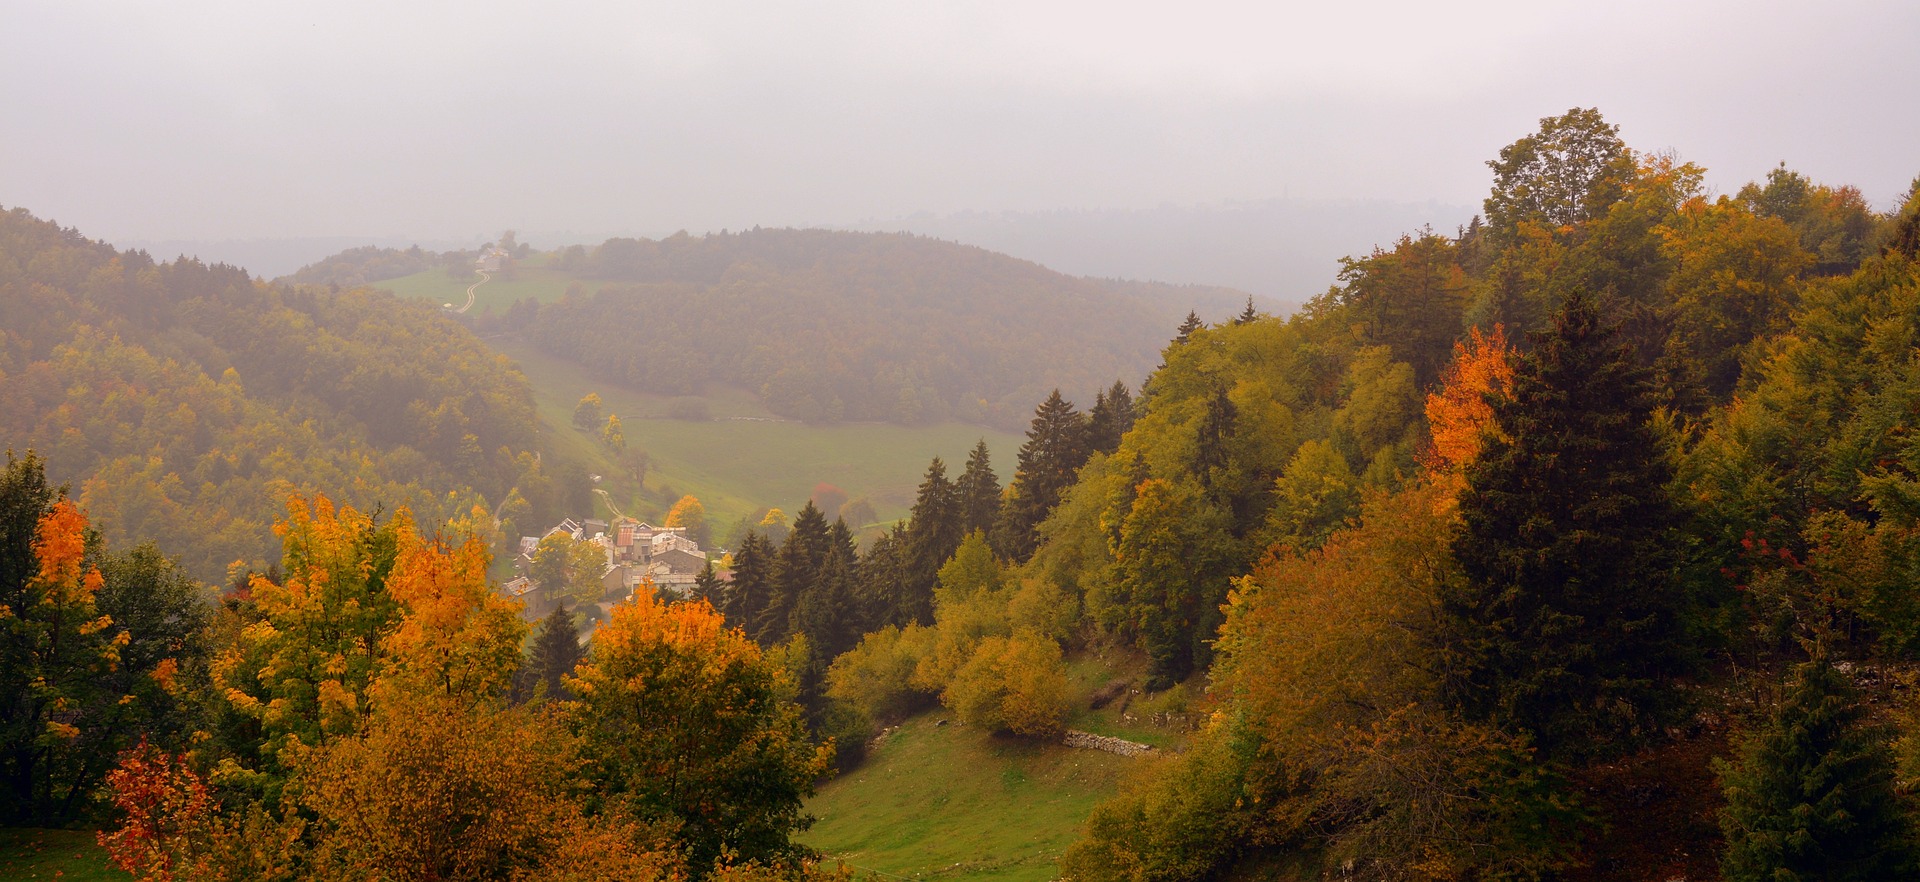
pixel 261 119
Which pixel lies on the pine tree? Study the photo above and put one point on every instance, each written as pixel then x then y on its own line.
pixel 1810 794
pixel 979 491
pixel 1247 315
pixel 1565 621
pixel 556 651
pixel 796 573
pixel 1187 327
pixel 1049 462
pixel 708 587
pixel 934 530
pixel 746 594
pixel 882 575
pixel 1111 417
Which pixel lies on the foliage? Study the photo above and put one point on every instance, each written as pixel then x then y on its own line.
pixel 555 652
pixel 586 414
pixel 1810 794
pixel 569 569
pixel 1011 684
pixel 79 684
pixel 689 726
pixel 1056 447
pixel 1565 619
pixel 690 514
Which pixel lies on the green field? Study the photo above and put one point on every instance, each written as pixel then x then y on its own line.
pixel 946 802
pixel 743 459
pixel 530 280
pixel 67 855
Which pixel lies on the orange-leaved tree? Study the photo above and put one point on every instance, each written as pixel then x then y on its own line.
pixel 1458 412
pixel 691 725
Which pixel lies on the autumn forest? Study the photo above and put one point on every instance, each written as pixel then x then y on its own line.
pixel 1581 541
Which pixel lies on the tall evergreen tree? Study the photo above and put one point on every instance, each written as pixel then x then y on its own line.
pixel 979 491
pixel 1112 415
pixel 1187 326
pixel 1810 794
pixel 1247 315
pixel 1566 621
pixel 708 587
pixel 796 573
pixel 556 651
pixel 933 531
pixel 746 595
pixel 882 576
pixel 1049 462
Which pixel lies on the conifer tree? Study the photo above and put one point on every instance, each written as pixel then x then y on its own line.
pixel 1187 326
pixel 1247 315
pixel 979 491
pixel 1810 794
pixel 933 531
pixel 708 587
pixel 1112 415
pixel 882 573
pixel 747 594
pixel 796 573
pixel 556 651
pixel 1049 462
pixel 1565 623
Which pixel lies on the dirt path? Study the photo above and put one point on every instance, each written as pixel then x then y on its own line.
pixel 484 278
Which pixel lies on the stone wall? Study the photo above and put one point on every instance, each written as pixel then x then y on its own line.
pixel 1090 741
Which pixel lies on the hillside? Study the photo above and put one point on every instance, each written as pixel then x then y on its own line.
pixel 822 326
pixel 182 401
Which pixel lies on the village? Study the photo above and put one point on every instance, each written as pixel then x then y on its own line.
pixel 622 556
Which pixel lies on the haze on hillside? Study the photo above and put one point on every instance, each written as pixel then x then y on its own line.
pixel 225 127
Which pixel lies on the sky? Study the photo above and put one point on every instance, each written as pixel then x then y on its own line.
pixel 262 119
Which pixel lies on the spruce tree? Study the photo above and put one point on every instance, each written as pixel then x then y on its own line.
pixel 1187 327
pixel 556 652
pixel 979 491
pixel 1810 794
pixel 934 530
pixel 1565 623
pixel 796 573
pixel 1111 417
pixel 1247 315
pixel 881 576
pixel 708 587
pixel 1049 462
pixel 746 595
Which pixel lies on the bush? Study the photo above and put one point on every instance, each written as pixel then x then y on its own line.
pixel 1012 684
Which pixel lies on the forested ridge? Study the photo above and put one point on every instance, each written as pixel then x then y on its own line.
pixel 182 401
pixel 1581 543
pixel 827 326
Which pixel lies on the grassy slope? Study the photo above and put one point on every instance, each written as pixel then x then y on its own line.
pixel 68 855
pixel 498 293
pixel 738 466
pixel 953 803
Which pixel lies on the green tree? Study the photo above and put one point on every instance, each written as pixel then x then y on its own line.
pixel 1110 418
pixel 797 572
pixel 1566 621
pixel 556 651
pixel 1810 793
pixel 566 568
pixel 1568 172
pixel 693 726
pixel 1050 459
pixel 934 530
pixel 747 593
pixel 1409 299
pixel 586 414
pixel 979 490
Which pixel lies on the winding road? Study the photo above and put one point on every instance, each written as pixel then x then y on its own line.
pixel 484 278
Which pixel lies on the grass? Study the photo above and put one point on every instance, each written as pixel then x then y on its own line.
pixel 737 466
pixel 947 802
pixel 68 855
pixel 538 282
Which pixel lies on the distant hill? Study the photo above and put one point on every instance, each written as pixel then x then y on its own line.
pixel 182 401
pixel 1283 250
pixel 828 326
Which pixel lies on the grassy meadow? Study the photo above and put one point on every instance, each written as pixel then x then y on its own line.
pixel 531 278
pixel 742 458
pixel 947 802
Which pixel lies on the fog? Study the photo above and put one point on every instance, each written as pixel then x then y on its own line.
pixel 193 122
